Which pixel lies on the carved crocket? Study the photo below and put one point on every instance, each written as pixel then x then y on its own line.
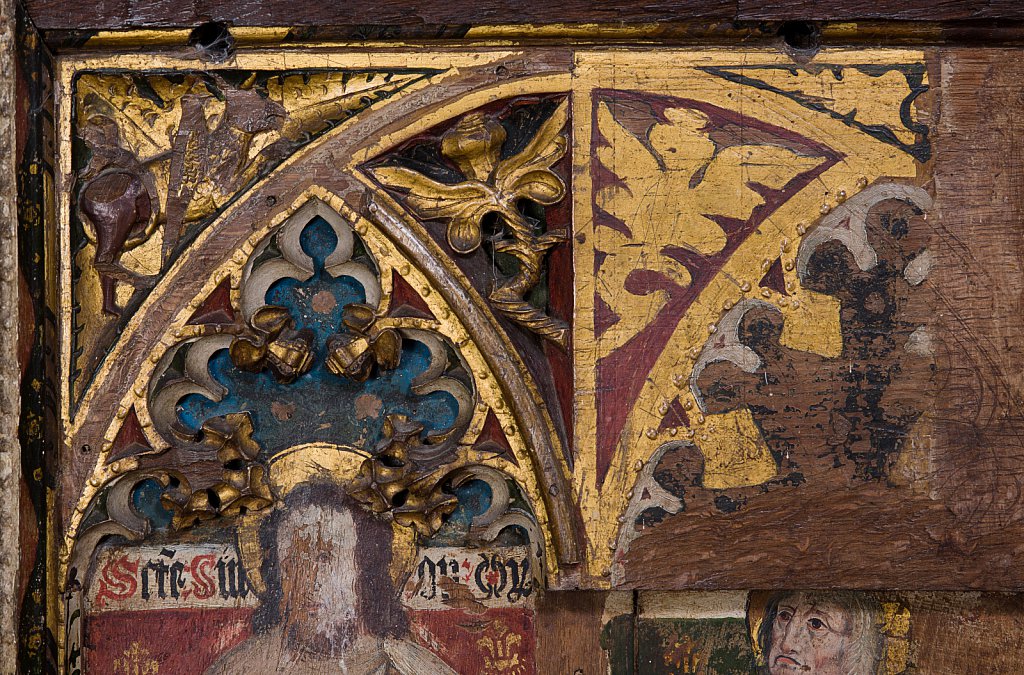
pixel 118 205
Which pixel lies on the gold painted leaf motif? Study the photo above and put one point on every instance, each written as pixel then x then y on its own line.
pixel 144 126
pixel 315 101
pixel 464 204
pixel 869 98
pixel 672 193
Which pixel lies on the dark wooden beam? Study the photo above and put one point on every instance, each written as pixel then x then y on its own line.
pixel 62 15
pixel 890 10
pixel 117 14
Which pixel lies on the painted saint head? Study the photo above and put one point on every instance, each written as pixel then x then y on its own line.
pixel 821 633
pixel 327 574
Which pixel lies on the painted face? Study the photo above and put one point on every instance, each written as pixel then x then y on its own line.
pixel 811 636
pixel 317 553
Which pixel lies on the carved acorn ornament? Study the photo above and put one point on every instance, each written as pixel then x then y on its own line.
pixel 474 145
pixel 271 341
pixel 390 482
pixel 355 353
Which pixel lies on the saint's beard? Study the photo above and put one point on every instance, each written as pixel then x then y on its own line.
pixel 318 624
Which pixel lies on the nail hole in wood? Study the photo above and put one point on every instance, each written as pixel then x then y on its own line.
pixel 213 40
pixel 803 36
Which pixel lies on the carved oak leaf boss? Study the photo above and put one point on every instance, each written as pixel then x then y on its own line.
pixel 391 482
pixel 354 354
pixel 495 186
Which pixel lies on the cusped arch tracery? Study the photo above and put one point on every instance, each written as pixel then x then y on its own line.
pixel 418 409
pixel 130 439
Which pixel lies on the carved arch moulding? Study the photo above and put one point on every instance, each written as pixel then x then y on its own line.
pixel 529 318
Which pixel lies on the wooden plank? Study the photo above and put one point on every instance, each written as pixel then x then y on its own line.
pixel 569 630
pixel 942 10
pixel 386 19
pixel 54 14
pixel 14 119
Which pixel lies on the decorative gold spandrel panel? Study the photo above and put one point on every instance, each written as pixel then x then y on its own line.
pixel 156 156
pixel 702 190
pixel 563 317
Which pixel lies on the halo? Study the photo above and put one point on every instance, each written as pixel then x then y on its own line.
pixel 757 602
pixel 324 462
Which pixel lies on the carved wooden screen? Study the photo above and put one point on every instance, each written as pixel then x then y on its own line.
pixel 503 357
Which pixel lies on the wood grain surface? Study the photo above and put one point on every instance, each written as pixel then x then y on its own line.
pixel 121 14
pixel 568 626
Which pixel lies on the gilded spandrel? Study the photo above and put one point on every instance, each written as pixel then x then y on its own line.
pixel 703 186
pixel 572 318
pixel 158 155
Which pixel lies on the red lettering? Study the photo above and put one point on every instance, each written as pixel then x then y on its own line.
pixel 204 585
pixel 117 580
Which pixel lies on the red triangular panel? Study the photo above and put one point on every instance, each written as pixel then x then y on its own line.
pixel 216 308
pixel 405 301
pixel 675 417
pixel 774 279
pixel 130 439
pixel 492 439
